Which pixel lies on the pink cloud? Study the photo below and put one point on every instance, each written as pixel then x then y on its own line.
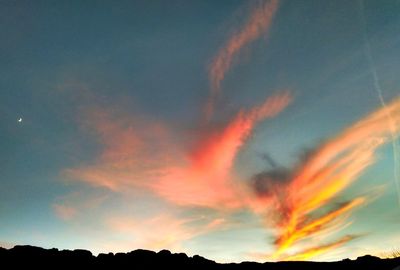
pixel 207 179
pixel 141 155
pixel 258 23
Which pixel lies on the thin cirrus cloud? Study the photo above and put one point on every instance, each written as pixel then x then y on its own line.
pixel 133 151
pixel 258 23
pixel 323 175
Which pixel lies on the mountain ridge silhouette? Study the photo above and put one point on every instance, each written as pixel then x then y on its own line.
pixel 32 256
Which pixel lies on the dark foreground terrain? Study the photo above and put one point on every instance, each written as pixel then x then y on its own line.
pixel 39 258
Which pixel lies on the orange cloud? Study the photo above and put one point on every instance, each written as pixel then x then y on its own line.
pixel 327 172
pixel 257 24
pixel 315 251
pixel 316 225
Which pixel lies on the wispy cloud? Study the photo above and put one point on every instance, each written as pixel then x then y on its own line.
pixel 315 251
pixel 299 207
pixel 326 172
pixel 132 152
pixel 141 155
pixel 257 24
pixel 73 206
pixel 207 178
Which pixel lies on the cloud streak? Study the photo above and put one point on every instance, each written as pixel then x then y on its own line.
pixel 315 251
pixel 258 23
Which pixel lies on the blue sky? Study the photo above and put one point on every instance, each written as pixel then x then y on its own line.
pixel 114 138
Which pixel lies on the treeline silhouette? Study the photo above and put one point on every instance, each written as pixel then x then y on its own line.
pixel 36 257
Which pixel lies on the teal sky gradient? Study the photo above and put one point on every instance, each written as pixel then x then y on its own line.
pixel 74 69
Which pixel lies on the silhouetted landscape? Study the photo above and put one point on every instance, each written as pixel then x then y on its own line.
pixel 145 259
pixel 257 134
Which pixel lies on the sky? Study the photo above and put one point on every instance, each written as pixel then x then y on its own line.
pixel 236 130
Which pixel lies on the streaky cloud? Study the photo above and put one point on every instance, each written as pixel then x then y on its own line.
pixel 206 179
pixel 258 23
pixel 295 206
pixel 315 251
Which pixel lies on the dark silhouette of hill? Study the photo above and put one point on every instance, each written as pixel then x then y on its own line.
pixel 39 258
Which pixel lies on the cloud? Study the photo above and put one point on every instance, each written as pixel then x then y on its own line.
pixel 207 178
pixel 322 175
pixel 315 251
pixel 133 151
pixel 269 181
pixel 142 155
pixel 138 155
pixel 257 24
pixel 75 205
pixel 317 225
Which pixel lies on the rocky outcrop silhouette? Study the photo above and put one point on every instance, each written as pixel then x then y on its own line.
pixel 39 258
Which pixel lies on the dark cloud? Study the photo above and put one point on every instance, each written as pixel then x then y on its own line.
pixel 272 179
pixel 267 181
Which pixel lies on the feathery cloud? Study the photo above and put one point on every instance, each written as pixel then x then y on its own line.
pixel 258 23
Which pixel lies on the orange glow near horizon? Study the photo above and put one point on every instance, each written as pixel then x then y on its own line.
pixel 300 209
pixel 315 251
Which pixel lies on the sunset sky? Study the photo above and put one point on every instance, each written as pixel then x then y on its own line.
pixel 236 130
